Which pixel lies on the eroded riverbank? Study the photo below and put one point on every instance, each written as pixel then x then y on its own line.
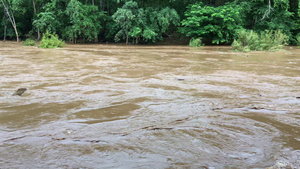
pixel 105 106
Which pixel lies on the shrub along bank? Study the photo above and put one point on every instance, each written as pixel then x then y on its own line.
pixel 51 41
pixel 264 41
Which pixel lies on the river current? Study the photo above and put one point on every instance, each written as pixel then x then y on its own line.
pixel 115 106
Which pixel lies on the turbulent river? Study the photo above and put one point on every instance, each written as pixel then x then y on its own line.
pixel 114 106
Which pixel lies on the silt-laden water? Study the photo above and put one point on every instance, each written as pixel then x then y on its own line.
pixel 114 106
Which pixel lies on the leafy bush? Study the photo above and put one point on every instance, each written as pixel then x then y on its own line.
pixel 237 45
pixel 85 21
pixel 196 42
pixel 250 39
pixel 265 41
pixel 28 42
pixel 218 24
pixel 51 41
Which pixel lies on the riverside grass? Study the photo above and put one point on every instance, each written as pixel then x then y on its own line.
pixel 264 41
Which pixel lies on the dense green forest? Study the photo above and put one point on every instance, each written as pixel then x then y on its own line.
pixel 146 21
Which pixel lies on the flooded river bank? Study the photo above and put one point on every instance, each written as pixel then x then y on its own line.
pixel 106 106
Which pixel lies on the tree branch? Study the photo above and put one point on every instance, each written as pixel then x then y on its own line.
pixel 268 11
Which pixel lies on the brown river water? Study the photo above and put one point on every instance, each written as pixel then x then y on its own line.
pixel 115 106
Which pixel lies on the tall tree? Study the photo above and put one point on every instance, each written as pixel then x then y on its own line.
pixel 52 18
pixel 7 4
pixel 218 24
pixel 144 20
pixel 149 23
pixel 85 21
pixel 125 18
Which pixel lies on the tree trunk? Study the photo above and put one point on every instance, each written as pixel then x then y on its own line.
pixel 73 40
pixel 5 27
pixel 11 18
pixel 126 38
pixel 39 34
pixel 34 8
pixel 35 13
pixel 101 5
pixel 267 12
pixel 16 31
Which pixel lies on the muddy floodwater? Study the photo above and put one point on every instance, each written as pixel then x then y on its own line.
pixel 115 106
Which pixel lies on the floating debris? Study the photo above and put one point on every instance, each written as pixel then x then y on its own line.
pixel 20 91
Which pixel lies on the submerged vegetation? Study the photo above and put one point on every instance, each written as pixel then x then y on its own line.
pixel 148 21
pixel 28 42
pixel 51 41
pixel 264 41
pixel 196 42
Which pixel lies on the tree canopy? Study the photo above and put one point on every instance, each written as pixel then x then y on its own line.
pixel 220 24
pixel 136 21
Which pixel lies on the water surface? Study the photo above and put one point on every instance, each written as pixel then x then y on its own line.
pixel 114 106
